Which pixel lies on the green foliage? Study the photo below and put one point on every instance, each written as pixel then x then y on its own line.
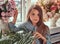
pixel 6 42
pixel 18 38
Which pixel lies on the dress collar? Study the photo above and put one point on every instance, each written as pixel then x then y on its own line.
pixel 29 26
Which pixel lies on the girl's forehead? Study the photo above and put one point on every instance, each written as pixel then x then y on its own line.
pixel 34 10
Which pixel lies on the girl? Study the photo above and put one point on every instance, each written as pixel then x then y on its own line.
pixel 34 23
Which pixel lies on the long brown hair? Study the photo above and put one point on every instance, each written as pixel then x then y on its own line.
pixel 42 28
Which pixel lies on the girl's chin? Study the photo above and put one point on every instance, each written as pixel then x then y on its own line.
pixel 35 22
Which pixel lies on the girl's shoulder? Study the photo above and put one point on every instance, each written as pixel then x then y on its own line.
pixel 27 25
pixel 24 24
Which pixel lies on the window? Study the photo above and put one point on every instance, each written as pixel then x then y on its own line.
pixel 22 8
pixel 19 7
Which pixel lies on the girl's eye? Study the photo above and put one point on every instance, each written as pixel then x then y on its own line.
pixel 33 14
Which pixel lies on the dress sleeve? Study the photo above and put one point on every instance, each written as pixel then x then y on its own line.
pixel 21 27
pixel 12 27
pixel 48 37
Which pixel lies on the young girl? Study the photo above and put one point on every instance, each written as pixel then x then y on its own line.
pixel 34 23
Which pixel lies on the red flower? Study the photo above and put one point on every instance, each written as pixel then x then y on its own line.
pixel 53 7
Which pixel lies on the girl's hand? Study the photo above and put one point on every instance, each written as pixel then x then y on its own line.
pixel 38 35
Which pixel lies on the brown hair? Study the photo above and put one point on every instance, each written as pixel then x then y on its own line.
pixel 42 28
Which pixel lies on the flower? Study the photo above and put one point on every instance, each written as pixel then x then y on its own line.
pixel 53 7
pixel 8 9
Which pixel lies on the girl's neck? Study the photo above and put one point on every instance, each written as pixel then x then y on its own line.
pixel 34 24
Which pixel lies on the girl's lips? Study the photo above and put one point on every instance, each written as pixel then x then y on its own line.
pixel 35 19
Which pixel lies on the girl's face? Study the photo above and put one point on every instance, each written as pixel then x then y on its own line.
pixel 34 17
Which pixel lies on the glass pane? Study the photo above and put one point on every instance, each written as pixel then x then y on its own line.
pixel 19 7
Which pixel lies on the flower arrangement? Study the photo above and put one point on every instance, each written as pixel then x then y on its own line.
pixel 8 9
pixel 8 6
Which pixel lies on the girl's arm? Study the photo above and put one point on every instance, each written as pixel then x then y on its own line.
pixel 12 27
pixel 21 27
pixel 15 16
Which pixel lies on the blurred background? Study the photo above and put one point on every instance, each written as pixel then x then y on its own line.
pixel 51 11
